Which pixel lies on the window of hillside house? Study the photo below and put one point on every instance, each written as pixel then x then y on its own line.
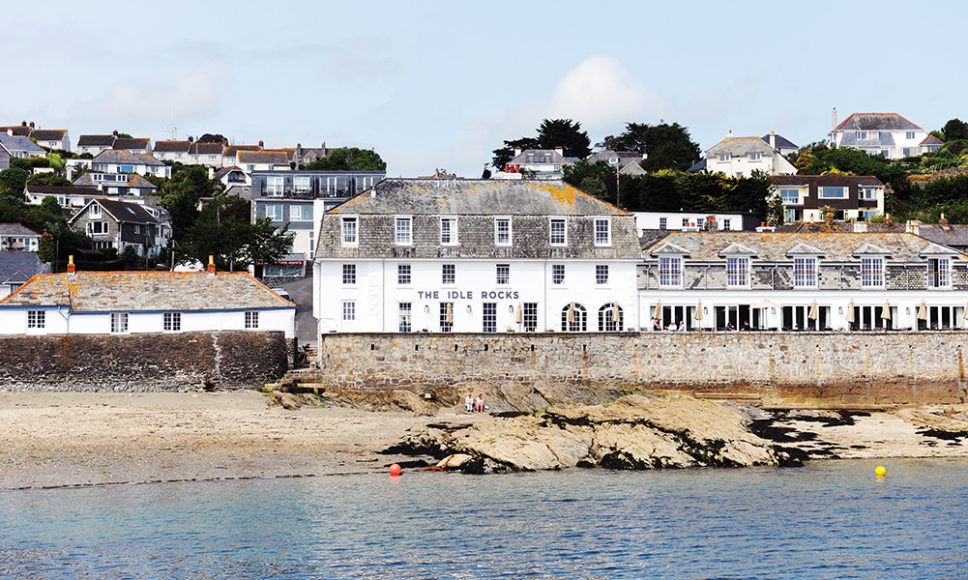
pixel 872 272
pixel 805 272
pixel 603 232
pixel 558 232
pixel 828 192
pixel 348 227
pixel 403 231
pixel 252 320
pixel 502 231
pixel 738 272
pixel 448 231
pixel 670 271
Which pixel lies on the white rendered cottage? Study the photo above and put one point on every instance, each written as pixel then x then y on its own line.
pixel 463 255
pixel 144 302
pixel 886 134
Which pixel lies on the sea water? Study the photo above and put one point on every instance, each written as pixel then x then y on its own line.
pixel 826 520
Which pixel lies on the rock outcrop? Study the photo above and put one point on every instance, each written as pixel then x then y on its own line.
pixel 633 432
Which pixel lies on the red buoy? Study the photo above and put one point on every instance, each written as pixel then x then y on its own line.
pixel 395 470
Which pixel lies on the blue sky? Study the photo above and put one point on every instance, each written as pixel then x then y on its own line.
pixel 440 84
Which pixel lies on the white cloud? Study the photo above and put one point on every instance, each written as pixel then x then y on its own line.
pixel 196 93
pixel 602 94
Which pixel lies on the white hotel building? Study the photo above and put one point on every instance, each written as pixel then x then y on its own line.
pixel 455 255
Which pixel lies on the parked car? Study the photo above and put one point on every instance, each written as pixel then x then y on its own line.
pixel 282 292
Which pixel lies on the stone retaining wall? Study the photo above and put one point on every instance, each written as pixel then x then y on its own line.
pixel 141 362
pixel 804 367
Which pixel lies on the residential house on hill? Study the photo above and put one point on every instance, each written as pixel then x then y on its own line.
pixel 15 237
pixel 208 154
pixel 175 151
pixel 851 197
pixel 119 225
pixel 133 302
pixel 943 233
pixel 117 183
pixel 627 162
pixel 52 138
pixel 21 147
pixel 73 198
pixel 139 145
pixel 95 144
pixel 230 155
pixel 5 157
pixel 695 221
pixel 21 130
pixel 113 161
pixel 742 156
pixel 536 164
pixel 18 267
pixel 230 176
pixel 265 160
pixel 781 144
pixel 886 134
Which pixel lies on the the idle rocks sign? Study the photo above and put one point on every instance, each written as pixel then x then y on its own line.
pixel 467 294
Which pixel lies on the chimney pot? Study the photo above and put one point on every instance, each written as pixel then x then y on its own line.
pixel 191 139
pixel 31 124
pixel 211 264
pixel 115 132
pixel 261 143
pixel 773 139
pixel 70 264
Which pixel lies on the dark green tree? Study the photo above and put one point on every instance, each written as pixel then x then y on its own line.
pixel 564 133
pixel 504 155
pixel 348 159
pixel 597 179
pixel 954 130
pixel 188 184
pixel 212 138
pixel 49 179
pixel 667 146
pixel 13 181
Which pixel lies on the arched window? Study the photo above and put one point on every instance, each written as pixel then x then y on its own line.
pixel 574 318
pixel 611 318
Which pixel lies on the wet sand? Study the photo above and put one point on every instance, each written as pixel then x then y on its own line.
pixel 61 439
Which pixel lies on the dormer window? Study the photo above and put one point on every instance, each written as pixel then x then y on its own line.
pixel 502 231
pixel 349 231
pixel 558 232
pixel 603 232
pixel 670 271
pixel 448 231
pixel 403 231
pixel 738 272
pixel 939 273
pixel 805 272
pixel 872 272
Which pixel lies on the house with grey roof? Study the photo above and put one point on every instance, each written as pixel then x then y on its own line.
pixel 117 183
pixel 208 154
pixel 794 281
pixel 4 158
pixel 115 161
pixel 16 237
pixel 21 147
pixel 55 139
pixel 781 144
pixel 885 134
pixel 471 255
pixel 848 197
pixel 742 156
pixel 175 151
pixel 95 144
pixel 119 225
pixel 536 164
pixel 18 267
pixel 626 162
pixel 139 145
pixel 136 302
pixel 21 130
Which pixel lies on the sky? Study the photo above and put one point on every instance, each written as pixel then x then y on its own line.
pixel 433 85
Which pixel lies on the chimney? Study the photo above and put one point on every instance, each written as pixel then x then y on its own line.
pixel 191 139
pixel 115 132
pixel 211 265
pixel 833 119
pixel 710 223
pixel 943 222
pixel 70 264
pixel 261 144
pixel 773 139
pixel 560 150
pixel 729 134
pixel 31 124
pixel 913 227
pixel 23 123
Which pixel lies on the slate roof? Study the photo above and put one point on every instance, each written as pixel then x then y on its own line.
pixel 955 236
pixel 131 143
pixel 607 154
pixel 265 156
pixel 226 170
pixel 232 150
pixel 95 140
pixel 551 156
pixel 63 190
pixel 207 148
pixel 172 146
pixel 48 134
pixel 116 156
pixel 698 166
pixel 18 267
pixel 884 139
pixel 777 246
pixel 136 291
pixel 781 142
pixel 17 143
pixel 877 122
pixel 475 197
pixel 931 140
pixel 134 180
pixel 18 130
pixel 740 146
pixel 15 229
pixel 825 180
pixel 121 211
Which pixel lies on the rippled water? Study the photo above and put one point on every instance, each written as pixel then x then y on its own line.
pixel 829 519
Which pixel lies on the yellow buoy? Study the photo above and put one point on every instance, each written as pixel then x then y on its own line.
pixel 880 471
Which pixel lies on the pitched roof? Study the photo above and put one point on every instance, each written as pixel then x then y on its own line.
pixel 19 130
pixel 780 246
pixel 135 291
pixel 551 156
pixel 131 143
pixel 740 146
pixel 121 211
pixel 698 166
pixel 207 148
pixel 877 122
pixel 476 197
pixel 609 154
pixel 931 140
pixel 17 143
pixel 133 180
pixel 95 140
pixel 122 156
pixel 829 179
pixel 231 150
pixel 62 190
pixel 226 170
pixel 781 142
pixel 172 146
pixel 15 229
pixel 48 134
pixel 955 234
pixel 18 267
pixel 264 156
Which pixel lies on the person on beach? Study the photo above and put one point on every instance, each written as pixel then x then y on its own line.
pixel 479 404
pixel 469 402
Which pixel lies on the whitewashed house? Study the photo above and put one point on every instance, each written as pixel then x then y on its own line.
pixel 742 156
pixel 695 221
pixel 175 151
pixel 128 162
pixel 95 144
pixel 208 154
pixel 134 145
pixel 18 238
pixel 117 183
pixel 21 147
pixel 74 197
pixel 56 139
pixel 18 267
pixel 886 134
pixel 462 255
pixel 802 281
pixel 133 302
pixel 536 164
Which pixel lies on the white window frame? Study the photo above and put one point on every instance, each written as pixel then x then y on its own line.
pixel 403 230
pixel 273 215
pixel 275 186
pixel 806 272
pixel 443 274
pixel 944 276
pixel 909 135
pixel 404 274
pixel 738 273
pixel 452 231
pixel 119 323
pixel 822 189
pixel 563 222
pixel 608 232
pixel 867 193
pixel 601 274
pixel 555 269
pixel 788 190
pixel 251 319
pixel 349 310
pixel 297 213
pixel 348 272
pixel 489 317
pixel 670 271
pixel 95 211
pixel 502 274
pixel 724 157
pixel 302 184
pixel 405 317
pixel 873 278
pixel 755 156
pixel 171 321
pixel 343 221
pixel 498 234
pixel 36 319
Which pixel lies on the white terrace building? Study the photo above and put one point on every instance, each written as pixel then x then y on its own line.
pixel 803 281
pixel 454 255
pixel 144 302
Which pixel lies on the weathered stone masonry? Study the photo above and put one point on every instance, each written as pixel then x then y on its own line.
pixel 844 368
pixel 141 362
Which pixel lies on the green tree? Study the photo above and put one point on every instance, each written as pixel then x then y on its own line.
pixel 349 159
pixel 188 184
pixel 49 179
pixel 667 146
pixel 954 130
pixel 504 155
pixel 597 179
pixel 213 138
pixel 13 181
pixel 550 134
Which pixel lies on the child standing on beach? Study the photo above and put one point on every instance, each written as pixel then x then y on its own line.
pixel 469 402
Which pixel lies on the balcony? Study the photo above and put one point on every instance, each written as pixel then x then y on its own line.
pixel 311 192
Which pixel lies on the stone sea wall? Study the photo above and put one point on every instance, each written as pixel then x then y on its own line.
pixel 782 368
pixel 141 362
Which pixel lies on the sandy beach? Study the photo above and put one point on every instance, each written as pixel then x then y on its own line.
pixel 60 439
